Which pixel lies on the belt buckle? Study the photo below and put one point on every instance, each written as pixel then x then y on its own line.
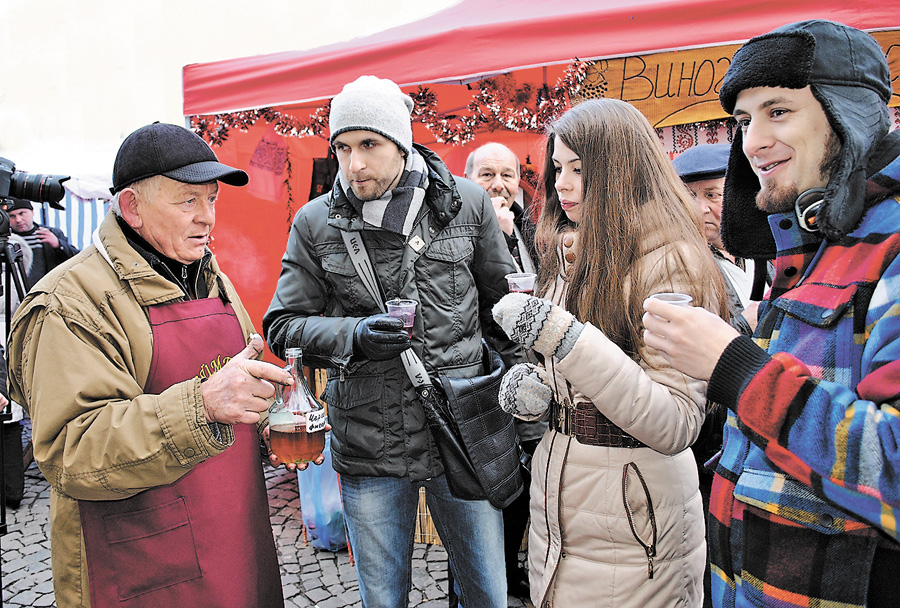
pixel 564 419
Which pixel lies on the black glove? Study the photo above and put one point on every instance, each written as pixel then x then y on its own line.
pixel 380 337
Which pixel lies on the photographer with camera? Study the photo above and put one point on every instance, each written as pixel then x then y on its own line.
pixel 49 245
pixel 15 262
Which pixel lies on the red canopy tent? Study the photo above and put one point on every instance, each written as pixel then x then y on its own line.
pixel 475 38
pixel 450 53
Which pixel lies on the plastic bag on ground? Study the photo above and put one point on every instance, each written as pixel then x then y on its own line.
pixel 320 504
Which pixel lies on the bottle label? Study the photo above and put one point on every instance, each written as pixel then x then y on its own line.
pixel 315 420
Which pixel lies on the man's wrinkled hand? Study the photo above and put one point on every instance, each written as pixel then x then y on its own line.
pixel 504 216
pixel 241 389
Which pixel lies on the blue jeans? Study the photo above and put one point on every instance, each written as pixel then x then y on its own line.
pixel 381 518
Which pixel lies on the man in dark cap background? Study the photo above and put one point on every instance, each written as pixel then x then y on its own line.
pixel 806 496
pixel 137 363
pixel 702 168
pixel 49 245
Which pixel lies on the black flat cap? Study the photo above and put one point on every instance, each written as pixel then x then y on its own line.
pixel 172 151
pixel 706 161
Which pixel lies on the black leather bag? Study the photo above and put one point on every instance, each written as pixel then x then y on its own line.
pixel 476 439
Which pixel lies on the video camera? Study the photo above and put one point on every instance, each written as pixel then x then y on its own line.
pixel 31 186
pixel 28 186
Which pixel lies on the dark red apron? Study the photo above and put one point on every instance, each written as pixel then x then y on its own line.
pixel 204 540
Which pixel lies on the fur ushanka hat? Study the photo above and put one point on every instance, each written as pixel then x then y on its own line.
pixel 848 74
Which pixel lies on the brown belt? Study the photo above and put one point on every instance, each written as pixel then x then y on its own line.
pixel 585 423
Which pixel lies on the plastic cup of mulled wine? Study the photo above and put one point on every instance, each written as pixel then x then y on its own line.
pixel 521 282
pixel 405 310
pixel 671 297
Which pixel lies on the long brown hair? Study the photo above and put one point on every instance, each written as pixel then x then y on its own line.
pixel 630 189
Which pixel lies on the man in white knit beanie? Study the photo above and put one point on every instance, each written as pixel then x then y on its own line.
pixel 433 238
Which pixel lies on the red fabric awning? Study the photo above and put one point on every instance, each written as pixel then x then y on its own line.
pixel 477 38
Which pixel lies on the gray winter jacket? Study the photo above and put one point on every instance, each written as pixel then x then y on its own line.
pixel 378 424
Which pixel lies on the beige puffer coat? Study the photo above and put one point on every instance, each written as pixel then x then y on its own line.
pixel 96 435
pixel 582 551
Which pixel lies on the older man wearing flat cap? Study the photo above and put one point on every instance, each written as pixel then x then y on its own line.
pixel 146 397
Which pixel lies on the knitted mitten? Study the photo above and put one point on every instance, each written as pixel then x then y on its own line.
pixel 525 392
pixel 538 324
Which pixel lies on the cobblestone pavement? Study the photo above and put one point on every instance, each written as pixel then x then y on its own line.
pixel 310 577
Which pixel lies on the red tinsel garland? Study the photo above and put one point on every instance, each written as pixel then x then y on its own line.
pixel 498 104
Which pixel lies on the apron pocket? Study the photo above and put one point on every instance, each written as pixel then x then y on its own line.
pixel 155 544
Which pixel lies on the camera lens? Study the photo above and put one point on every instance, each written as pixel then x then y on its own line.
pixel 37 187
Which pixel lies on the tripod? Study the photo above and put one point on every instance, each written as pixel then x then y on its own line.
pixel 13 272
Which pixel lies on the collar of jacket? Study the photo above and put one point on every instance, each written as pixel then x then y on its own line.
pixel 184 275
pixel 132 268
pixel 517 211
pixel 442 198
pixel 717 253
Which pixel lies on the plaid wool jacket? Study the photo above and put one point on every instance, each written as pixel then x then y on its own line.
pixel 807 484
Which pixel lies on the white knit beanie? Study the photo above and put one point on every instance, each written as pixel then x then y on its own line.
pixel 373 104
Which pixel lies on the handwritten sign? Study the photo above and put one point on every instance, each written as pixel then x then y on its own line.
pixel 681 87
pixel 315 420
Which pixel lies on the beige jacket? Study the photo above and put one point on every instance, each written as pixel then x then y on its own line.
pixel 582 551
pixel 80 352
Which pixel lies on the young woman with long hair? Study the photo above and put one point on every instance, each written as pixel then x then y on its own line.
pixel 616 513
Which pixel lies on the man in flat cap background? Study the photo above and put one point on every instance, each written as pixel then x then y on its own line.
pixel 137 363
pixel 806 496
pixel 702 168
